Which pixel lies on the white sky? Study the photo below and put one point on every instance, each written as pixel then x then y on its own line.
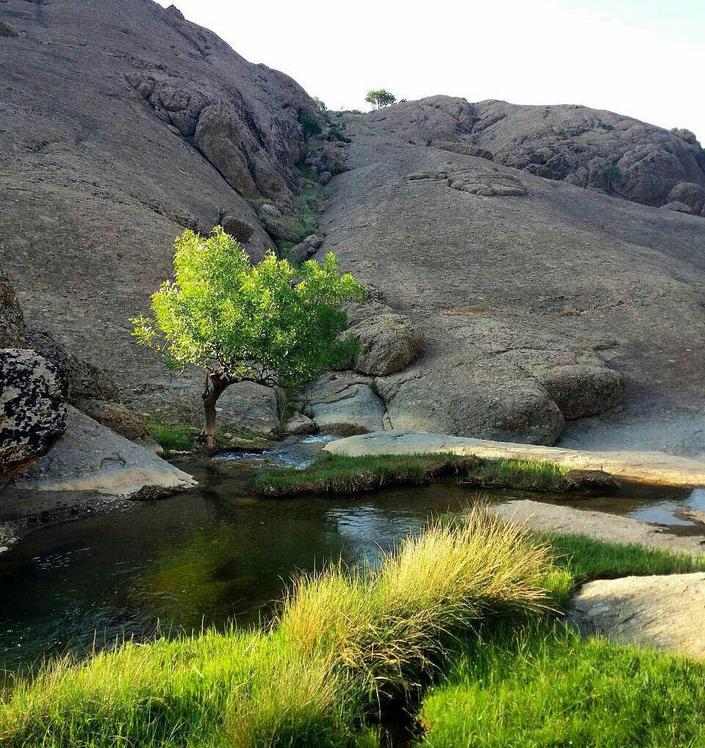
pixel 644 58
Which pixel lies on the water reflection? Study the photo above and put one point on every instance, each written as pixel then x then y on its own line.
pixel 219 552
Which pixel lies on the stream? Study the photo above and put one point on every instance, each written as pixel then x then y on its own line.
pixel 219 553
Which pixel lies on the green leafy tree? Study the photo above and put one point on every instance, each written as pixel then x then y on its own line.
pixel 268 323
pixel 380 98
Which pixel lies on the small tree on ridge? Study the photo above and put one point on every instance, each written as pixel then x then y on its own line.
pixel 380 98
pixel 268 323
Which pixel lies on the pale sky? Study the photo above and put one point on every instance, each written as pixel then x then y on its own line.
pixel 644 58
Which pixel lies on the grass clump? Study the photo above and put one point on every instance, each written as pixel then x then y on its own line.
pixel 340 474
pixel 544 686
pixel 526 475
pixel 587 559
pixel 173 437
pixel 344 642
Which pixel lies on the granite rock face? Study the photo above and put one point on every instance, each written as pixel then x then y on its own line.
pixel 33 408
pixel 12 329
pixel 541 312
pixel 123 124
pixel 388 343
pixel 587 147
pixel 508 243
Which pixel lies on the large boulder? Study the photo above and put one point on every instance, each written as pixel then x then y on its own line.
pixel 247 406
pixel 91 469
pixel 581 390
pixel 483 401
pixel 33 408
pixel 345 403
pixel 659 612
pixel 388 343
pixel 690 194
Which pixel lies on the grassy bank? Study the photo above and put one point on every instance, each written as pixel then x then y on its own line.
pixel 470 598
pixel 344 643
pixel 544 686
pixel 339 474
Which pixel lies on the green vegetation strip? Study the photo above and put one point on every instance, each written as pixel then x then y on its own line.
pixel 339 474
pixel 470 598
pixel 543 686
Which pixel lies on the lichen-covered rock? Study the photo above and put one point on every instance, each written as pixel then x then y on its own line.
pixel 388 343
pixel 582 389
pixel 32 408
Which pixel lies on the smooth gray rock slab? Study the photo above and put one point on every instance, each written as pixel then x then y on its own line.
pixel 610 528
pixel 660 612
pixel 90 462
pixel 645 467
pixel 344 403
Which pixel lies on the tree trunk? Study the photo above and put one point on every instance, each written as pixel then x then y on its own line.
pixel 215 385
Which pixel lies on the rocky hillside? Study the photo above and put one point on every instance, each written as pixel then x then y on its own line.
pixel 122 124
pixel 539 302
pixel 528 266
pixel 589 148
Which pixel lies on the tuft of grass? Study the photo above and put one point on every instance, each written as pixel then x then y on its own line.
pixel 340 474
pixel 544 686
pixel 525 475
pixel 173 436
pixel 344 641
pixel 587 559
pixel 581 559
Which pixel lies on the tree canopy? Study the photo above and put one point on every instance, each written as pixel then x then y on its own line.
pixel 270 323
pixel 380 97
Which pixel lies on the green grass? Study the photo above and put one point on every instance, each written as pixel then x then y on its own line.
pixel 587 559
pixel 340 474
pixel 543 686
pixel 527 475
pixel 469 597
pixel 345 641
pixel 173 436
